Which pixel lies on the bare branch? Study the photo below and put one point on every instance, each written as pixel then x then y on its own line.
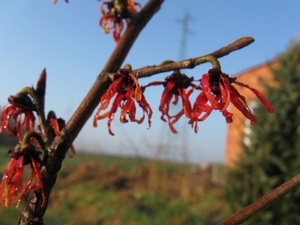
pixel 191 63
pixel 263 202
pixel 41 90
pixel 238 44
pixel 55 154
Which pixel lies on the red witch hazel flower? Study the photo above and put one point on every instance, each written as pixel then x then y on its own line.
pixel 127 91
pixel 12 187
pixel 20 110
pixel 175 87
pixel 117 11
pixel 57 124
pixel 217 92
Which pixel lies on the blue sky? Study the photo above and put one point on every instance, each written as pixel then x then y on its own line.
pixel 67 40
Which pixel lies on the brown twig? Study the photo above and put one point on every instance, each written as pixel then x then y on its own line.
pixel 55 154
pixel 263 202
pixel 41 90
pixel 191 63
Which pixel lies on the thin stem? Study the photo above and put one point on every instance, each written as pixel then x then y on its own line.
pixel 33 134
pixel 191 63
pixel 208 58
pixel 263 202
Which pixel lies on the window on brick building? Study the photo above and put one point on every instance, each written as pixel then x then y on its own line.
pixel 253 105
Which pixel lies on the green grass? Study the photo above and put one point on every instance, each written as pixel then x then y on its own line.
pixel 93 189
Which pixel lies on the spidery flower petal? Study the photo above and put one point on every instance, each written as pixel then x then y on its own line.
pixel 124 92
pixel 20 112
pixel 12 187
pixel 217 92
pixel 115 15
pixel 175 87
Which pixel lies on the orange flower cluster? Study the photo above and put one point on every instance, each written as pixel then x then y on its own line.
pixel 175 87
pixel 20 110
pixel 12 187
pixel 117 11
pixel 216 93
pixel 126 91
pixel 115 15
pixel 18 119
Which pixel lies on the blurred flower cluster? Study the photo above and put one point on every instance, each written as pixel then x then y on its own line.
pixel 115 15
pixel 18 119
pixel 12 187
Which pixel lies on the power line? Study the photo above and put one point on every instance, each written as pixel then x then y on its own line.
pixel 184 32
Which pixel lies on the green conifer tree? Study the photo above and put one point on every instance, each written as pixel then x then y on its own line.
pixel 273 155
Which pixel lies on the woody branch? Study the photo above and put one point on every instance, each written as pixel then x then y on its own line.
pixel 263 202
pixel 56 150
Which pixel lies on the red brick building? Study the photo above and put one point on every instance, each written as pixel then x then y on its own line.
pixel 238 129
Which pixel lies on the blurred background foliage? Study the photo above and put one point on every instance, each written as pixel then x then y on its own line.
pixel 272 156
pixel 97 189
